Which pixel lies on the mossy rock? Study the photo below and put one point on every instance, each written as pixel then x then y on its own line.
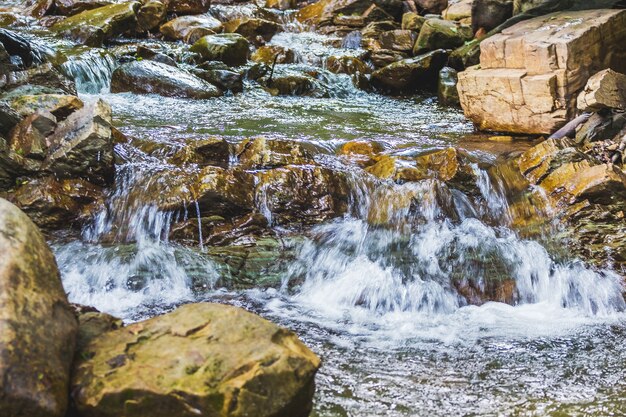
pixel 201 359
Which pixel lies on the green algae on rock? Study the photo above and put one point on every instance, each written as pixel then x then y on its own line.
pixel 37 326
pixel 201 359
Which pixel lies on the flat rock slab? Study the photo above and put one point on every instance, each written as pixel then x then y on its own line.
pixel 530 74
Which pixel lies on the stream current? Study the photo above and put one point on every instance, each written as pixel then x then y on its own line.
pixel 376 304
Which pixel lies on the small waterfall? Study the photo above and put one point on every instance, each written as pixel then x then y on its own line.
pixel 126 265
pixel 91 70
pixel 421 248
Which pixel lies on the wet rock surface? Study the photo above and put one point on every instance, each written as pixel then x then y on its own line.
pixel 38 326
pixel 202 358
pixel 148 77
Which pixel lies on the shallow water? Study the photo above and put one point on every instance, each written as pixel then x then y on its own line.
pixel 378 304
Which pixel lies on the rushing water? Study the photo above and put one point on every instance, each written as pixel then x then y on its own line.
pixel 379 303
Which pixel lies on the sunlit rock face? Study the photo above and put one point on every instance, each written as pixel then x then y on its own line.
pixel 201 359
pixel 38 328
pixel 530 74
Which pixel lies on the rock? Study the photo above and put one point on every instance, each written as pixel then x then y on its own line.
pixel 409 75
pixel 259 153
pixel 384 167
pixel 431 6
pixel 71 7
pixel 347 65
pixel 577 181
pixel 206 359
pixel 191 28
pixel 253 28
pixel 441 34
pixel 398 40
pixel 43 78
pixel 528 81
pixel 601 126
pixel 8 118
pixel 604 90
pixel 91 324
pixel 227 193
pixel 209 151
pixel 230 48
pixel 323 12
pixel 38 326
pixel 269 54
pixel 412 21
pixel 60 105
pixel 225 79
pixel 151 14
pixel 488 14
pixel 148 77
pixel 82 146
pixel 446 90
pixel 188 6
pixel 542 159
pixel 92 27
pixel 459 11
pixel 293 82
pixel 53 204
pixel 362 151
pixel 16 45
pixel 281 4
pixel 152 55
pixel 375 29
pixel 440 164
pixel 28 137
pixel 303 195
pixel 383 57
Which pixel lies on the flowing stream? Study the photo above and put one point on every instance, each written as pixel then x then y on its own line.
pixel 379 304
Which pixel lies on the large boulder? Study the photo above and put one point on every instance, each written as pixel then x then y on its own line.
pixel 191 28
pixel 411 74
pixel 530 74
pixel 230 48
pixel 37 326
pixel 149 77
pixel 201 359
pixel 92 27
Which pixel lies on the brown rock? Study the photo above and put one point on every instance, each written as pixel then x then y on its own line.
pixel 530 74
pixel 201 359
pixel 188 6
pixel 38 328
pixel 191 28
pixel 398 40
pixel 604 90
pixel 151 14
pixel 251 28
pixel 432 6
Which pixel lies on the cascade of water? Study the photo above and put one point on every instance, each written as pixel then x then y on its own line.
pixel 91 70
pixel 417 247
